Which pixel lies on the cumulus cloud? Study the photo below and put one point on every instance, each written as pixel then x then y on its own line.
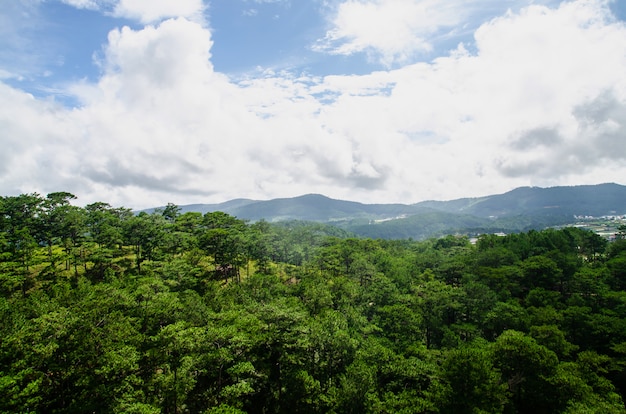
pixel 38 144
pixel 596 142
pixel 530 106
pixel 566 86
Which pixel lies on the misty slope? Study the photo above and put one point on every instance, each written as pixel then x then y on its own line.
pixel 226 207
pixel 431 223
pixel 315 207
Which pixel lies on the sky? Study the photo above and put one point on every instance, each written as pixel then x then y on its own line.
pixel 138 103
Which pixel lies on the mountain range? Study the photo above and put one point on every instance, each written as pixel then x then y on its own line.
pixel 521 209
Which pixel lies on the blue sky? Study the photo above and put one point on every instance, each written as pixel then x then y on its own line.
pixel 143 102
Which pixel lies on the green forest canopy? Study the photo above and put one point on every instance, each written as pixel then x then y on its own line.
pixel 102 310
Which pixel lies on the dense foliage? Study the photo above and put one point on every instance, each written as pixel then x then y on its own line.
pixel 102 310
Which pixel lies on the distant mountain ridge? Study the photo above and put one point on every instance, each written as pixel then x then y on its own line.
pixel 520 209
pixel 594 200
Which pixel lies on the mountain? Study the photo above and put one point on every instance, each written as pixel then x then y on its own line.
pixel 521 209
pixel 310 207
pixel 315 207
pixel 592 200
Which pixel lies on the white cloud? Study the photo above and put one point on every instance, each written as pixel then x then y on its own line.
pixel 38 144
pixel 532 106
pixel 84 4
pixel 151 11
pixel 395 32
pixel 392 30
pixel 5 74
pixel 144 11
pixel 547 76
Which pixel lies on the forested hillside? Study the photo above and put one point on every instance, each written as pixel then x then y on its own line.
pixel 105 311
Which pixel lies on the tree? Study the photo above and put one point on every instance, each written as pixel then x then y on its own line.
pixel 593 245
pixel 526 368
pixel 104 223
pixel 20 219
pixel 283 346
pixel 616 265
pixel 144 232
pixel 543 272
pixel 259 246
pixel 73 235
pixel 332 348
pixel 53 215
pixel 474 382
pixel 553 338
pixel 224 239
pixel 171 212
pixel 105 230
pixel 505 316
pixel 439 305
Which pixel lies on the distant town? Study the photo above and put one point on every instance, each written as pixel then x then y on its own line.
pixel 605 226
